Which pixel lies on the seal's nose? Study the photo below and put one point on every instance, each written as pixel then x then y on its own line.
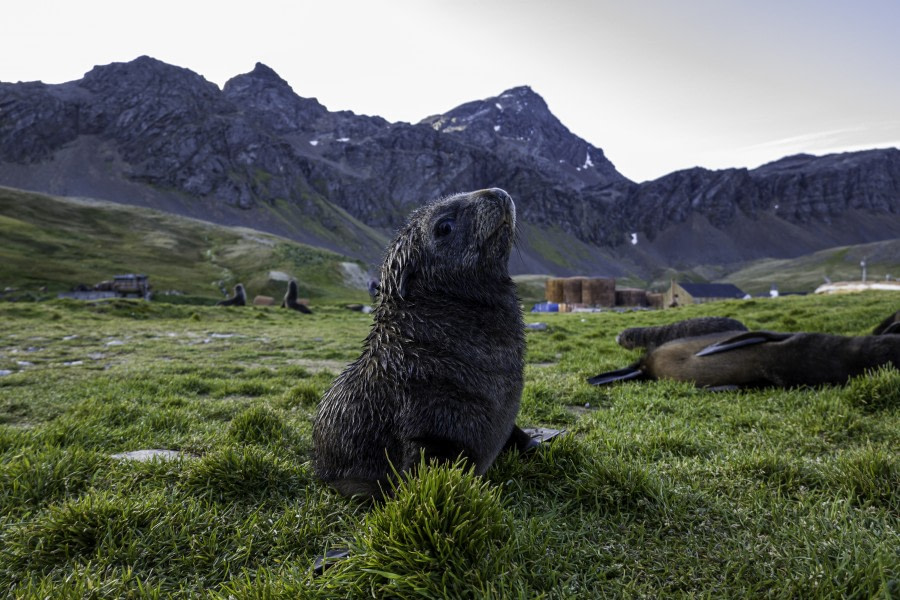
pixel 503 199
pixel 495 193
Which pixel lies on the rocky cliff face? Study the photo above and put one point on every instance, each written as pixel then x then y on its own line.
pixel 244 153
pixel 838 196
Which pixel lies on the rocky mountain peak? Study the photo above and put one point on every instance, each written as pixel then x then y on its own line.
pixel 519 121
pixel 261 78
pixel 266 73
pixel 268 98
pixel 146 74
pixel 523 99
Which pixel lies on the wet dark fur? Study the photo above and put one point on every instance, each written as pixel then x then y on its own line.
pixel 762 358
pixel 651 337
pixel 441 370
pixel 290 299
pixel 239 298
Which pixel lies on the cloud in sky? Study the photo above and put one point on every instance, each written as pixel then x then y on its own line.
pixel 658 84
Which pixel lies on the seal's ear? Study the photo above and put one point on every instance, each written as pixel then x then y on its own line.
pixel 399 268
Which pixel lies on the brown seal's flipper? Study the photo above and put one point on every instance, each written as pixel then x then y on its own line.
pixel 890 325
pixel 892 329
pixel 300 307
pixel 750 338
pixel 631 372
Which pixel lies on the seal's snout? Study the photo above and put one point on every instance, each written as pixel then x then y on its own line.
pixel 495 193
pixel 503 199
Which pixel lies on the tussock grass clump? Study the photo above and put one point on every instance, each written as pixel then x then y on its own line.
pixel 777 472
pixel 29 480
pixel 570 471
pixel 247 387
pixel 245 474
pixel 11 438
pixel 870 475
pixel 877 390
pixel 257 425
pixel 444 534
pixel 193 384
pixel 619 484
pixel 91 582
pixel 675 443
pixel 94 526
pixel 305 394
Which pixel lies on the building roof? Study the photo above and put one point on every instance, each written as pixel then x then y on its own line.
pixel 712 290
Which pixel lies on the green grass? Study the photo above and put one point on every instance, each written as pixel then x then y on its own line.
pixel 658 490
pixel 56 243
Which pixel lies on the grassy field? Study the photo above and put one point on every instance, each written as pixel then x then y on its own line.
pixel 658 489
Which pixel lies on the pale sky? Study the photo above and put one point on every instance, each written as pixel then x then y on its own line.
pixel 659 85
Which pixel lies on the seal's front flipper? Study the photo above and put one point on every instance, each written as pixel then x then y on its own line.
pixel 519 440
pixel 751 338
pixel 632 372
pixel 329 558
pixel 541 435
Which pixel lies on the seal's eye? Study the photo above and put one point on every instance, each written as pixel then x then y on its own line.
pixel 444 227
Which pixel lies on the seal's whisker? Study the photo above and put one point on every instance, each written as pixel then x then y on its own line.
pixel 516 238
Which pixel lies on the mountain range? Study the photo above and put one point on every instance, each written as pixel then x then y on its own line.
pixel 254 153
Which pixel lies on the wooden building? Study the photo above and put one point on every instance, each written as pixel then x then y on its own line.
pixel 680 294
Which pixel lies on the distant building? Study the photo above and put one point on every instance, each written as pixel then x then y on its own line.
pixel 680 294
pixel 119 286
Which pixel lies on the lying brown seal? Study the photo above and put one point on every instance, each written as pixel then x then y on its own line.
pixel 650 337
pixel 290 299
pixel 761 358
pixel 239 298
pixel 441 371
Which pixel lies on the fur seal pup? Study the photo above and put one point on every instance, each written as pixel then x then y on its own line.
pixel 290 299
pixel 650 337
pixel 239 298
pixel 891 325
pixel 761 359
pixel 441 371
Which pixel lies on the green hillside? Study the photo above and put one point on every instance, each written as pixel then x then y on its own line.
pixel 806 273
pixel 53 244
